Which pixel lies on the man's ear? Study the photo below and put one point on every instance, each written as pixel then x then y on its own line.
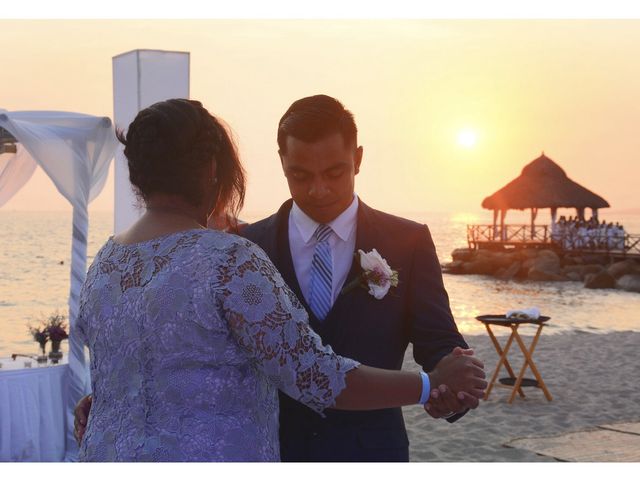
pixel 357 160
pixel 281 159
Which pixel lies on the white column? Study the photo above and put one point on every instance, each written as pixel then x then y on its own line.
pixel 554 224
pixel 141 78
pixel 503 231
pixel 77 379
pixel 534 214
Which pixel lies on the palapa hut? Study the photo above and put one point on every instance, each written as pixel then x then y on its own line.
pixel 542 184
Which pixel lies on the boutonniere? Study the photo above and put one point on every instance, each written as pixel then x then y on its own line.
pixel 376 275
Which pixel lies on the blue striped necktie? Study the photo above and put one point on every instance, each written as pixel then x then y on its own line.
pixel 321 274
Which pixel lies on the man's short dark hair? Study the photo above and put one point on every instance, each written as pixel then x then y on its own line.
pixel 311 119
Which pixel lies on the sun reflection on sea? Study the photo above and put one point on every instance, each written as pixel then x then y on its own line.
pixel 465 315
pixel 465 218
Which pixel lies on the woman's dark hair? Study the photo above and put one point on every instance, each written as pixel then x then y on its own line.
pixel 314 118
pixel 169 147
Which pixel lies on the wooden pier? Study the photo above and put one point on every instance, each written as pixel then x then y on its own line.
pixel 509 237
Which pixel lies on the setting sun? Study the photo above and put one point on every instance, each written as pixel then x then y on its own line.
pixel 467 138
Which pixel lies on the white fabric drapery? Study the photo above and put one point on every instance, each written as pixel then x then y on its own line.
pixel 15 170
pixel 32 414
pixel 75 151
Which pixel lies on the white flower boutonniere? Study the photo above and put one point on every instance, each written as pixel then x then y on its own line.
pixel 376 276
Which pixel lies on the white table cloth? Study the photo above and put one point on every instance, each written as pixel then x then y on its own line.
pixel 32 412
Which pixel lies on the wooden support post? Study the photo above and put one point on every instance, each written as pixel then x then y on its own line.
pixel 503 232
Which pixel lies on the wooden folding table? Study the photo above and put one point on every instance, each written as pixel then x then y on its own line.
pixel 515 383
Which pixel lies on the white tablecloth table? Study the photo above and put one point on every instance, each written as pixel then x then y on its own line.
pixel 32 412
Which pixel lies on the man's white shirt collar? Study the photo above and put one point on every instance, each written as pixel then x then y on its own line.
pixel 342 225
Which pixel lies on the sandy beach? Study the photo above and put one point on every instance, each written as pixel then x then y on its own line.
pixel 593 379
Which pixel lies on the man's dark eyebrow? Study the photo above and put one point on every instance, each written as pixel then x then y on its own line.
pixel 338 164
pixel 294 168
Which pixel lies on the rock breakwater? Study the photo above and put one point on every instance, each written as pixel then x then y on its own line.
pixel 594 271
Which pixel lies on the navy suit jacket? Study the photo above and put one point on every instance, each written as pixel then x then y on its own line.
pixel 374 332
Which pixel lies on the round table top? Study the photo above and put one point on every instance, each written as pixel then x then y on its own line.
pixel 496 319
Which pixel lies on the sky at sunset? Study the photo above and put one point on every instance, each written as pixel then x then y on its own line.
pixel 448 111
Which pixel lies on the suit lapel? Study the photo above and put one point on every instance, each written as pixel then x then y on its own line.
pixel 364 238
pixel 284 262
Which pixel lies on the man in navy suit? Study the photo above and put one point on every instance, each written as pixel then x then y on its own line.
pixel 317 139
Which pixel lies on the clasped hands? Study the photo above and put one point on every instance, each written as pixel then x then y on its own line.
pixel 457 384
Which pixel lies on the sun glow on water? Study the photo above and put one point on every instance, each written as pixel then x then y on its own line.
pixel 466 218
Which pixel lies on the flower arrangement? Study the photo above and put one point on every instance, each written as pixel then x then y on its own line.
pixel 53 328
pixel 56 327
pixel 376 275
pixel 40 335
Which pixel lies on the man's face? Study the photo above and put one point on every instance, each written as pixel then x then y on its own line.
pixel 321 175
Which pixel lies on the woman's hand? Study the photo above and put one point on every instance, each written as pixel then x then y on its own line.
pixel 461 372
pixel 444 403
pixel 81 414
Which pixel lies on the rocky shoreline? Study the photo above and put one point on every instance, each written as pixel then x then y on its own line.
pixel 595 271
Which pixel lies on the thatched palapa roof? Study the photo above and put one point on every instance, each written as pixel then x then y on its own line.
pixel 543 184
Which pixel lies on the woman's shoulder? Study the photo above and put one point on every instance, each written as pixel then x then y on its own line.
pixel 224 241
pixel 198 247
pixel 235 254
pixel 233 248
pixel 185 240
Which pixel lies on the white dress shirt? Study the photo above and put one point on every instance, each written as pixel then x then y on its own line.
pixel 342 241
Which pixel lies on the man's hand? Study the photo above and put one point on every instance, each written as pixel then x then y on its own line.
pixel 461 372
pixel 81 414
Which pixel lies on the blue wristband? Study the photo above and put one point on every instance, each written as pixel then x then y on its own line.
pixel 426 388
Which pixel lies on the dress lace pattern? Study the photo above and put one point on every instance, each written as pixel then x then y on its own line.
pixel 190 336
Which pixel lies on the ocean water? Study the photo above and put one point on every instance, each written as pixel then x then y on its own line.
pixel 35 256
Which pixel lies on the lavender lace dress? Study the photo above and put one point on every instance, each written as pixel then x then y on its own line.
pixel 190 336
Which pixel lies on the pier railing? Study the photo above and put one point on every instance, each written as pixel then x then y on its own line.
pixel 508 234
pixel 632 244
pixel 483 236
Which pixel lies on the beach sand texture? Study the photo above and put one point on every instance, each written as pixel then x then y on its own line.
pixel 593 379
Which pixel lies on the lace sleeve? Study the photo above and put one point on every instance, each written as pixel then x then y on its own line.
pixel 269 323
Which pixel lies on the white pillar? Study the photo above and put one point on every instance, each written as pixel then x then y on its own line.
pixel 141 78
pixel 77 378
pixel 534 214
pixel 554 225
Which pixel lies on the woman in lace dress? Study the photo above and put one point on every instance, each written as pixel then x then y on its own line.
pixel 192 331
